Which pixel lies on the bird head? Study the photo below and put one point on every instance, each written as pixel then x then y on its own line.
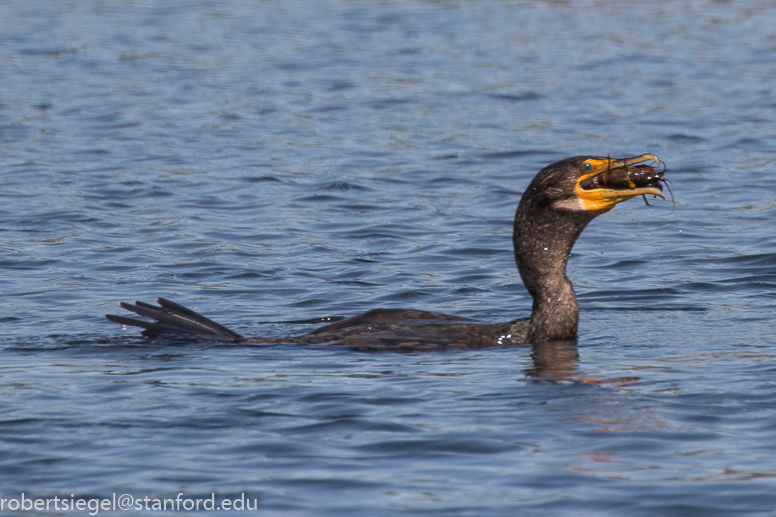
pixel 594 184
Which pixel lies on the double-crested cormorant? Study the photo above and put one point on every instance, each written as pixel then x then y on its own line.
pixel 560 201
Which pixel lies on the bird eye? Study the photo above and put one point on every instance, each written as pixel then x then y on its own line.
pixel 587 167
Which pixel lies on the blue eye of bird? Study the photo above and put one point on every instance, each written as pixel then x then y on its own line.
pixel 587 167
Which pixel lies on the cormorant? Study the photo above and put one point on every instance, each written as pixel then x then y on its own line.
pixel 558 204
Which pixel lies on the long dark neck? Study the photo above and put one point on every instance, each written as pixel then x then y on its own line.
pixel 543 237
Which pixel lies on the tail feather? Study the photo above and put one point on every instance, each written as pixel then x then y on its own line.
pixel 171 317
pixel 172 306
pixel 150 329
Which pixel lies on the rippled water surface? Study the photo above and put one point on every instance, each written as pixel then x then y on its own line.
pixel 270 162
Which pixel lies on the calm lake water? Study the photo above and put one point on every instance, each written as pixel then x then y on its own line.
pixel 271 162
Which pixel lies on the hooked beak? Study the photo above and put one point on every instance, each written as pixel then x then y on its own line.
pixel 606 181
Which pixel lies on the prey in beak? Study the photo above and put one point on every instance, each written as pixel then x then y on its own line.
pixel 604 182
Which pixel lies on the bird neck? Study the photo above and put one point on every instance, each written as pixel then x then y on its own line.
pixel 543 238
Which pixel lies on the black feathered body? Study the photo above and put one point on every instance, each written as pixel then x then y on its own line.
pixel 550 217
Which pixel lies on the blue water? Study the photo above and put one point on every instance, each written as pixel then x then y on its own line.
pixel 267 162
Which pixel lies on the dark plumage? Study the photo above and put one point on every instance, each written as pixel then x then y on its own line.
pixel 558 204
